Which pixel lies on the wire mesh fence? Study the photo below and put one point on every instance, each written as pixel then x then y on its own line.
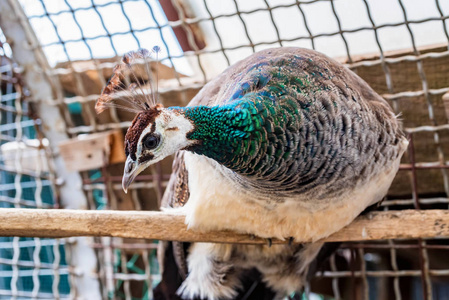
pixel 29 267
pixel 402 52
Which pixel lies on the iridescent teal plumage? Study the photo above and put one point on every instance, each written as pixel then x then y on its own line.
pixel 238 135
pixel 225 132
pixel 245 127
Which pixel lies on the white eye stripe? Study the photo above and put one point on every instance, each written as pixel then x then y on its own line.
pixel 144 133
pixel 171 128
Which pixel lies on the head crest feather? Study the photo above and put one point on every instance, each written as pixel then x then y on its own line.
pixel 132 94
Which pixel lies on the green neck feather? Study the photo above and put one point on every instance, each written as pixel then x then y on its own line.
pixel 222 130
pixel 237 135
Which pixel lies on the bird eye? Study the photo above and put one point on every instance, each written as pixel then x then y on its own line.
pixel 151 141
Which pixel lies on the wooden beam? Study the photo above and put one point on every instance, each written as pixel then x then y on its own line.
pixel 406 224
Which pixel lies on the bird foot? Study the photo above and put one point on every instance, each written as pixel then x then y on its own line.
pixel 270 242
pixel 210 276
pixel 291 240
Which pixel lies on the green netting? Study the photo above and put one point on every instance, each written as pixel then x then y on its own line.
pixel 28 266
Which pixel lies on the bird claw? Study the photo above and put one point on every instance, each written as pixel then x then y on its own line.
pixel 270 242
pixel 291 240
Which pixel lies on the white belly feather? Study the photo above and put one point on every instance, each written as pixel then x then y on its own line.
pixel 217 203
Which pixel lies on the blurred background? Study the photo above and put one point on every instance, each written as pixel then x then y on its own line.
pixel 55 152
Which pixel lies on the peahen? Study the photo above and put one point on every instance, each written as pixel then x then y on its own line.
pixel 286 143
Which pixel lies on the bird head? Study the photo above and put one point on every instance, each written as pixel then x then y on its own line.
pixel 155 133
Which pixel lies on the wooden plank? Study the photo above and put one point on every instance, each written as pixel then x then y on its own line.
pixel 87 152
pixel 446 104
pixel 406 224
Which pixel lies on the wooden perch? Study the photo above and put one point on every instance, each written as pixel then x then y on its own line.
pixel 406 224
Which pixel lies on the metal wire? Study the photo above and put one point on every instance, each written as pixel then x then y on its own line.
pixel 29 268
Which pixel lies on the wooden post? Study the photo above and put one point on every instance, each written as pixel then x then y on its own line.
pixel 405 224
pixel 46 91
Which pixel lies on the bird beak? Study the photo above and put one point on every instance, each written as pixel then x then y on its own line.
pixel 132 169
